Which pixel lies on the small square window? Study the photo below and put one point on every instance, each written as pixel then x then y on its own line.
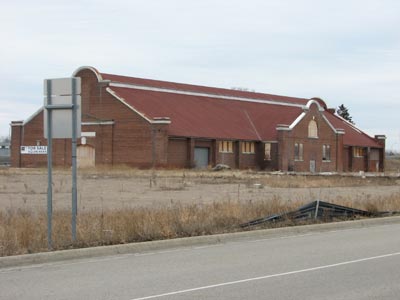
pixel 248 147
pixel 358 152
pixel 226 146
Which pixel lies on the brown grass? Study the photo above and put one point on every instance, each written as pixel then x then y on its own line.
pixel 392 163
pixel 23 231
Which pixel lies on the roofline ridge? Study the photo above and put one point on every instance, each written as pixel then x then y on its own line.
pixel 348 123
pixel 157 120
pixel 180 83
pixel 203 94
pixel 354 127
pixel 194 85
pixel 32 116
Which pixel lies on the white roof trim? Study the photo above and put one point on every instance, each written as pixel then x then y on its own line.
pixel 283 127
pixel 129 106
pixel 98 123
pixel 33 116
pixel 338 131
pixel 303 114
pixel 312 101
pixel 172 91
pixel 348 123
pixel 161 122
pixel 17 123
pixel 98 75
pixel 297 121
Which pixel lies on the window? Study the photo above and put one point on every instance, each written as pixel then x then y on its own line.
pixel 358 151
pixel 312 129
pixel 267 151
pixel 226 146
pixel 298 151
pixel 248 147
pixel 374 154
pixel 326 152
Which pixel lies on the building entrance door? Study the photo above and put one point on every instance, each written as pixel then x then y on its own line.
pixel 201 155
pixel 86 156
pixel 312 166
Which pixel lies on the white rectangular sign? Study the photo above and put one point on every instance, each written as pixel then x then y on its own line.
pixel 60 102
pixel 62 86
pixel 62 118
pixel 33 149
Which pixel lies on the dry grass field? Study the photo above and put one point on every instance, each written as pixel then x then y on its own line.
pixel 123 205
pixel 393 163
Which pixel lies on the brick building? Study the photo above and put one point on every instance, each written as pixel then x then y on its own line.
pixel 145 123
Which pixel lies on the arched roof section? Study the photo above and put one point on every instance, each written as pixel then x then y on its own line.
pixel 94 70
pixel 320 102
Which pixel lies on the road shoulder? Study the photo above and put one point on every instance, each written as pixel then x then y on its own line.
pixel 46 257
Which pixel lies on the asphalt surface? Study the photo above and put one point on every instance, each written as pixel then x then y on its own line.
pixel 355 263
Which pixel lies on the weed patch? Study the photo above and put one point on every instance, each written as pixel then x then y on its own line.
pixel 23 231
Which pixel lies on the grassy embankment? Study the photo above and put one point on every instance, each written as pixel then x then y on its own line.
pixel 23 231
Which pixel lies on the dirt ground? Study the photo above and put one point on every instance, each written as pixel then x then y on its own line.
pixel 111 189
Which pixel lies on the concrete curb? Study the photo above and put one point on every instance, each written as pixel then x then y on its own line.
pixel 46 257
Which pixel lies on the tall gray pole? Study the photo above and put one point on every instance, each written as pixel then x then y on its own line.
pixel 74 141
pixel 49 169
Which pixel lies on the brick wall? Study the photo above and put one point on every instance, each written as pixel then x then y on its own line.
pixel 131 140
pixel 226 159
pixel 16 136
pixel 312 146
pixel 178 153
pixel 31 134
pixel 102 142
pixel 358 164
pixel 125 137
pixel 272 164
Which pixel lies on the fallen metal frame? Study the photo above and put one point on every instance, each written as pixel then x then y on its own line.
pixel 317 210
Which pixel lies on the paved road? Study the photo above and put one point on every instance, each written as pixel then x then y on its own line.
pixel 346 264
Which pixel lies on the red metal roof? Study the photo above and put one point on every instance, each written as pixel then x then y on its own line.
pixel 201 113
pixel 353 136
pixel 208 117
pixel 202 89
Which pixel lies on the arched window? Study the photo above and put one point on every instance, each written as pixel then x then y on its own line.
pixel 312 129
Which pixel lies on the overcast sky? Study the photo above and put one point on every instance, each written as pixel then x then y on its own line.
pixel 343 51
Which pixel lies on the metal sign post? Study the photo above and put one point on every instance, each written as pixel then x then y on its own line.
pixel 49 170
pixel 62 120
pixel 74 167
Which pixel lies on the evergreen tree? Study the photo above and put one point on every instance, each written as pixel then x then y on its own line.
pixel 343 111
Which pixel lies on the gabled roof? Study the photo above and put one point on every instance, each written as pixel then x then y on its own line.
pixel 208 117
pixel 172 86
pixel 353 136
pixel 209 112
